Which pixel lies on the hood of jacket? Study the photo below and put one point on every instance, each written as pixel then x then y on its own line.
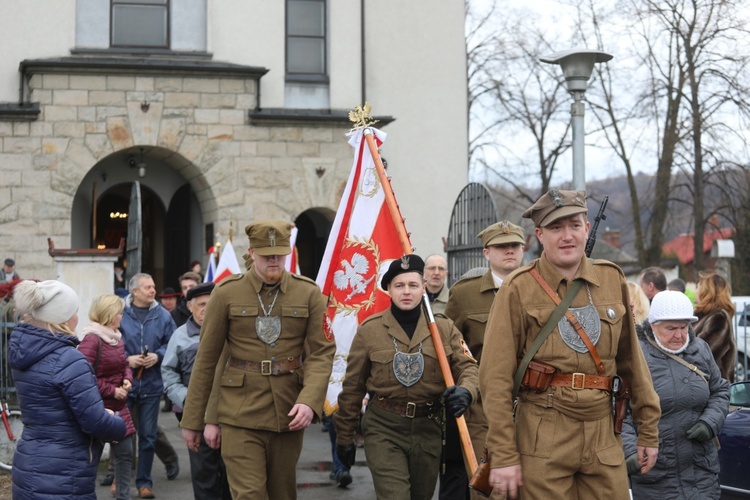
pixel 31 343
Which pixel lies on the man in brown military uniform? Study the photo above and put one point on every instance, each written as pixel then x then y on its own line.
pixel 469 306
pixel 393 359
pixel 272 324
pixel 563 444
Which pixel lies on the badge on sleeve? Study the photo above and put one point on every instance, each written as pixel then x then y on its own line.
pixel 467 351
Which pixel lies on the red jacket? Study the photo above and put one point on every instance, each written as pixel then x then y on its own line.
pixel 111 369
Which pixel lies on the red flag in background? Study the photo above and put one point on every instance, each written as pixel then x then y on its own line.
pixel 228 264
pixel 361 246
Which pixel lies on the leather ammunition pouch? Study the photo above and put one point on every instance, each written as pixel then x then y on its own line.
pixel 537 377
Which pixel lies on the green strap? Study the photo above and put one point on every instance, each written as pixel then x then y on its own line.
pixel 544 333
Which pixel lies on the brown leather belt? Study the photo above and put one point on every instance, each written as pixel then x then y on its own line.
pixel 407 409
pixel 580 381
pixel 268 366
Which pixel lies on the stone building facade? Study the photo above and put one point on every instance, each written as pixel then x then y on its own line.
pixel 211 141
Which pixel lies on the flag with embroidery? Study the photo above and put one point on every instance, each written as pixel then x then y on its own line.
pixel 228 264
pixel 362 243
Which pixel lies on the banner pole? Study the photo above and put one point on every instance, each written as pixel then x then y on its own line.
pixel 470 458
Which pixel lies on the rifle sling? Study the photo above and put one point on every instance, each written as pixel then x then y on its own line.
pixel 544 333
pixel 573 321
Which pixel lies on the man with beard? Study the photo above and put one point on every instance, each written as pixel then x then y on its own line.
pixel 271 322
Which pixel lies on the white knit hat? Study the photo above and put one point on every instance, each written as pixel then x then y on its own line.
pixel 49 301
pixel 671 306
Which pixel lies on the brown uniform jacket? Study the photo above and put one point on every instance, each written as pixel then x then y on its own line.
pixel 519 312
pixel 249 399
pixel 469 307
pixel 370 367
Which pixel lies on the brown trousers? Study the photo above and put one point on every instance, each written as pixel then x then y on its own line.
pixel 564 458
pixel 261 465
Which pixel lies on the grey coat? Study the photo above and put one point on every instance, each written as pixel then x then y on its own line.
pixel 685 469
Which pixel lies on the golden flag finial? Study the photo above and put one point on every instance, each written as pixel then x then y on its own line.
pixel 360 116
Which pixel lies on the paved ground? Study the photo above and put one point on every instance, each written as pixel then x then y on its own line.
pixel 312 471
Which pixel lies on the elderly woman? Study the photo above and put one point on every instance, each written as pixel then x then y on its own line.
pixel 715 311
pixel 103 346
pixel 63 415
pixel 393 359
pixel 694 404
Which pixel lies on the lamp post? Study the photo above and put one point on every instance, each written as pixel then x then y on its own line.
pixel 577 65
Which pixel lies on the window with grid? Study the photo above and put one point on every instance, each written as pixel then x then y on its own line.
pixel 305 38
pixel 140 23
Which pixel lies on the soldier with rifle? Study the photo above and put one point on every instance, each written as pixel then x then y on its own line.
pixel 567 319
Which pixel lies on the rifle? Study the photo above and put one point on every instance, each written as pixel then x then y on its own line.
pixel 591 241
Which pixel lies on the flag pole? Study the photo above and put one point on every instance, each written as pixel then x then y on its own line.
pixel 470 458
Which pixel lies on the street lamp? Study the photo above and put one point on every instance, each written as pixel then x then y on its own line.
pixel 577 65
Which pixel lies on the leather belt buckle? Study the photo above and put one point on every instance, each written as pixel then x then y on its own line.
pixel 265 367
pixel 411 409
pixel 578 376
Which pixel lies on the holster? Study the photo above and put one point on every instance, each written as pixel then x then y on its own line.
pixel 537 376
pixel 620 401
pixel 480 481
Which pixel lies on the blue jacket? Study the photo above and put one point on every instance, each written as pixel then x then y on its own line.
pixel 62 412
pixel 155 333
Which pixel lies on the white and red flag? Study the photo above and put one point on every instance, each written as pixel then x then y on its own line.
pixel 361 246
pixel 228 264
pixel 291 263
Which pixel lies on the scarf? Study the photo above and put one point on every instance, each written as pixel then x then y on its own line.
pixel 108 335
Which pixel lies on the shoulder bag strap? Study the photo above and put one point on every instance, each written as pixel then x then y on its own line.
pixel 544 333
pixel 573 321
pixel 684 363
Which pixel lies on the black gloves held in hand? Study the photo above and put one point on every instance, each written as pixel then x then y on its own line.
pixel 347 453
pixel 634 468
pixel 700 432
pixel 457 400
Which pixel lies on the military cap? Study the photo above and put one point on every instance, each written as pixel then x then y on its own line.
pixel 198 290
pixel 411 263
pixel 502 233
pixel 270 237
pixel 556 204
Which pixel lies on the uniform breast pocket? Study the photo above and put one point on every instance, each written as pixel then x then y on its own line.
pixel 479 318
pixel 431 363
pixel 243 313
pixel 611 318
pixel 295 315
pixel 382 367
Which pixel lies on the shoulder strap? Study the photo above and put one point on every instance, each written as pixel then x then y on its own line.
pixel 544 333
pixel 573 321
pixel 684 363
pixel 98 354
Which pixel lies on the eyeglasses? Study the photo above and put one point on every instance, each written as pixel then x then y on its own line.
pixel 436 268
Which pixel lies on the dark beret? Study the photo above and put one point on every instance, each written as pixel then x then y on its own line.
pixel 411 263
pixel 201 289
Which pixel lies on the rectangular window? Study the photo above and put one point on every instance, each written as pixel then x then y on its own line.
pixel 306 38
pixel 140 23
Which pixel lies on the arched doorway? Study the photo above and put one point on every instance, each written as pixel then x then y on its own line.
pixel 172 221
pixel 314 226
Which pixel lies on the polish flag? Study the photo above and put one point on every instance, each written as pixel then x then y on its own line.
pixel 228 264
pixel 362 244
pixel 292 262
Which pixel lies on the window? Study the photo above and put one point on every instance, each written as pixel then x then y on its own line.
pixel 306 40
pixel 140 23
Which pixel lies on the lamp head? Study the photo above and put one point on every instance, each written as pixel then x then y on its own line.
pixel 577 65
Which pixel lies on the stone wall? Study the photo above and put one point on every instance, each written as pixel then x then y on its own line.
pixel 238 171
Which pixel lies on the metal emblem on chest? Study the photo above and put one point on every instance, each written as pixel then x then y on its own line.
pixel 588 317
pixel 408 368
pixel 268 328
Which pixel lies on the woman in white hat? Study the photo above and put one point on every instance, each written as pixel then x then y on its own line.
pixel 63 414
pixel 694 402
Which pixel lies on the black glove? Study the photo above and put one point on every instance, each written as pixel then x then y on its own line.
pixel 700 432
pixel 457 400
pixel 634 468
pixel 347 453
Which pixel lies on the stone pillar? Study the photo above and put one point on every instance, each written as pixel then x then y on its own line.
pixel 90 272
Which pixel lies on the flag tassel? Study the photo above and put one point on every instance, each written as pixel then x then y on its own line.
pixel 470 458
